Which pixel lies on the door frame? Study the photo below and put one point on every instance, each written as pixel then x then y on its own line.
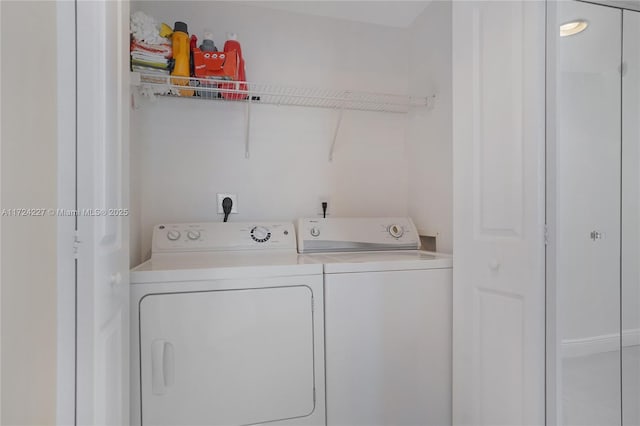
pixel 551 347
pixel 66 225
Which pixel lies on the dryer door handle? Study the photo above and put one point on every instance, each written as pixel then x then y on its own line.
pixel 162 366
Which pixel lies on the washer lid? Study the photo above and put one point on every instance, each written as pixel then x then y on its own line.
pixel 380 261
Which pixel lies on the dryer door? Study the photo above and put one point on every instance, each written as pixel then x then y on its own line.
pixel 231 357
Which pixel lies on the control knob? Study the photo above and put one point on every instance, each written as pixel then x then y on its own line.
pixel 260 234
pixel 314 232
pixel 193 235
pixel 173 235
pixel 396 231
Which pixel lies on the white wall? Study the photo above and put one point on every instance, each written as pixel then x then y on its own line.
pixel 185 151
pixel 429 134
pixel 29 166
pixel 394 13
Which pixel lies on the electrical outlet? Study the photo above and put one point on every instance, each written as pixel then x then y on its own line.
pixel 321 200
pixel 234 206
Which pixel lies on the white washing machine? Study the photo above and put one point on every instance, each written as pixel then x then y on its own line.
pixel 227 328
pixel 388 322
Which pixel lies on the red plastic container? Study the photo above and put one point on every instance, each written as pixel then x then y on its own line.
pixel 231 45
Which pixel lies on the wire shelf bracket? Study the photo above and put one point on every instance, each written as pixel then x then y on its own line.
pixel 247 135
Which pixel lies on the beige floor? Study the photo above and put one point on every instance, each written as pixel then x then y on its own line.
pixel 591 389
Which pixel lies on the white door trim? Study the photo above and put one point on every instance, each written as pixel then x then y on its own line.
pixel 552 364
pixel 0 238
pixel 66 276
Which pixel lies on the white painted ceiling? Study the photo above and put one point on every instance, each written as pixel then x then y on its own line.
pixel 625 4
pixel 390 13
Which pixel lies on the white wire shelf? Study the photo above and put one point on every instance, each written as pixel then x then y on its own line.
pixel 254 93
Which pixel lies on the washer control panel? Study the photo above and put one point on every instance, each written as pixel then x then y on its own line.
pixel 356 234
pixel 219 236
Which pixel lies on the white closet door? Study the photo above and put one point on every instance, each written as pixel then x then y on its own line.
pixel 498 150
pixel 584 209
pixel 102 375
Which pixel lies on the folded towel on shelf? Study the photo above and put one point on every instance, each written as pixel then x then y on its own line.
pixel 150 52
pixel 149 58
pixel 150 64
pixel 149 70
pixel 163 50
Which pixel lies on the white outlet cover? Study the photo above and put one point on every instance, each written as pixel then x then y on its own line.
pixel 234 206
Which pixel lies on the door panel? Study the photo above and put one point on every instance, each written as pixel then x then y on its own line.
pixel 505 372
pixel 231 357
pixel 497 123
pixel 498 145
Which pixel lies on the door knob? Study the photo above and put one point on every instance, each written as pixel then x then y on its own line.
pixel 596 235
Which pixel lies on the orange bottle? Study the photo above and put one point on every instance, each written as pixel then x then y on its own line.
pixel 229 46
pixel 181 55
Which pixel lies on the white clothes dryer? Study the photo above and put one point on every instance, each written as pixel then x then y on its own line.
pixel 227 328
pixel 388 322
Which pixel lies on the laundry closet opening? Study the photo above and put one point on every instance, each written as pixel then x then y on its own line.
pixel 186 151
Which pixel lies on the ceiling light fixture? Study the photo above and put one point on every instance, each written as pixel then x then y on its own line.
pixel 573 27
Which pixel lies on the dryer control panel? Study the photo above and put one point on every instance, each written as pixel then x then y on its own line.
pixel 357 234
pixel 219 236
